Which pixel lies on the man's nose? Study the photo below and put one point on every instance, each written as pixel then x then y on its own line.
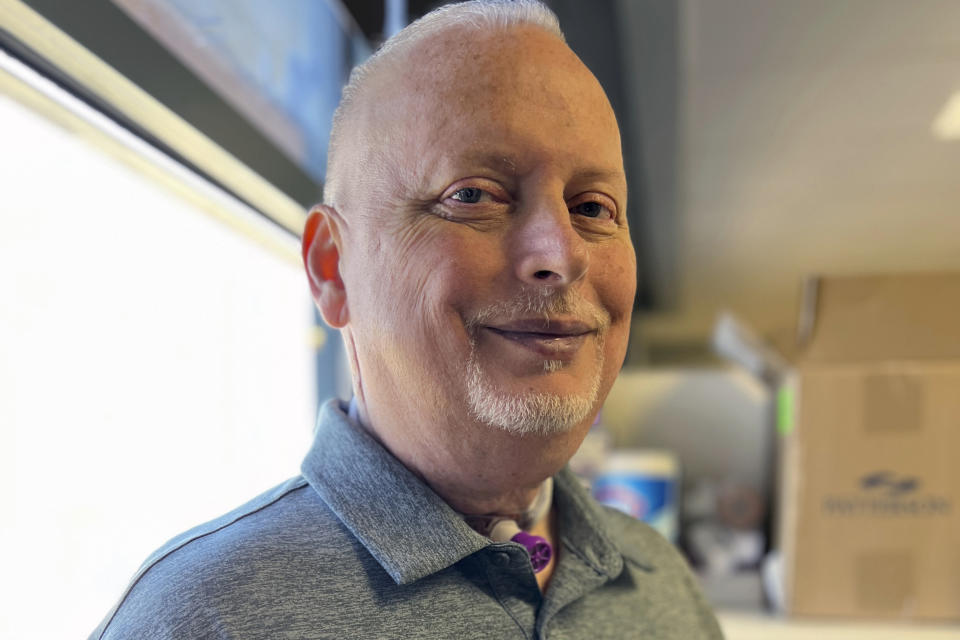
pixel 548 250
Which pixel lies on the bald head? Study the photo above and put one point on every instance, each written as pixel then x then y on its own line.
pixel 405 64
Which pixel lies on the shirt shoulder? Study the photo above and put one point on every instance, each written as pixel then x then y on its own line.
pixel 654 561
pixel 196 583
pixel 638 541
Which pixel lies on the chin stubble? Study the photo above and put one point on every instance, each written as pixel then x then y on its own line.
pixel 532 412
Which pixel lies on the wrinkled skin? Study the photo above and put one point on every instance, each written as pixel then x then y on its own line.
pixel 480 167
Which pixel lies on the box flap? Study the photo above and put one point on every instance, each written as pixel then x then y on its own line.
pixel 881 317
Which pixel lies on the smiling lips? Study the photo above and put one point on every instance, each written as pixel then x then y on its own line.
pixel 554 339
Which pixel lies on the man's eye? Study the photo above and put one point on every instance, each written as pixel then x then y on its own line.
pixel 592 209
pixel 468 195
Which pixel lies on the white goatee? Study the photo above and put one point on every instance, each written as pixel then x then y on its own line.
pixel 533 412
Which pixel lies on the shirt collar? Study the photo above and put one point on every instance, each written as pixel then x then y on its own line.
pixel 583 526
pixel 407 527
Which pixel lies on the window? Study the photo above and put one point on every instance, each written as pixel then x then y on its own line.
pixel 158 345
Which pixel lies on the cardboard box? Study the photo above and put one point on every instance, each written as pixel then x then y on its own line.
pixel 869 516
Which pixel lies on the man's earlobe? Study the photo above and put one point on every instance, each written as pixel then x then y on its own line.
pixel 321 258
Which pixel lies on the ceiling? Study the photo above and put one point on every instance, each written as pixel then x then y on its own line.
pixel 805 148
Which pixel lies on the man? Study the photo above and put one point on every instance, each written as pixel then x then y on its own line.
pixel 473 249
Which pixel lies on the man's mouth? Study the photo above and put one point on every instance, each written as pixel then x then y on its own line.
pixel 557 339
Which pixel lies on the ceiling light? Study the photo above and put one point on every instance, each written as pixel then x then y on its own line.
pixel 947 124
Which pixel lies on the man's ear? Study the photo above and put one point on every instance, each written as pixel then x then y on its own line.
pixel 321 257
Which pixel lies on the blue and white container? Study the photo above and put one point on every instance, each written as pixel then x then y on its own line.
pixel 645 484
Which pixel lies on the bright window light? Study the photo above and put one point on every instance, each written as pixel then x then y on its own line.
pixel 156 370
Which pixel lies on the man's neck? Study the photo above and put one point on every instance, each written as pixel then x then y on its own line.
pixel 476 470
pixel 467 499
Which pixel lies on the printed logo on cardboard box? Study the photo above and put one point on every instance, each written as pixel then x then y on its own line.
pixel 884 493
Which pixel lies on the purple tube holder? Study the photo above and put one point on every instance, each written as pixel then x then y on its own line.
pixel 538 548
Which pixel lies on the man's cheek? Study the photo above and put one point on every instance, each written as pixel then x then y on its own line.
pixel 615 280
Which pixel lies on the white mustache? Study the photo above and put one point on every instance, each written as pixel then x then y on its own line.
pixel 548 304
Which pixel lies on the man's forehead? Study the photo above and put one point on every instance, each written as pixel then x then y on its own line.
pixel 466 72
pixel 461 58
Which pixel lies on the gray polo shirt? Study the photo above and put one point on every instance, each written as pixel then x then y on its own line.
pixel 359 547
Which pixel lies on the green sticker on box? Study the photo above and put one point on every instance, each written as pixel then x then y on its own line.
pixel 785 414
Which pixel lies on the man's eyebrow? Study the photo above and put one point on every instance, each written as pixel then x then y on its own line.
pixel 499 161
pixel 609 175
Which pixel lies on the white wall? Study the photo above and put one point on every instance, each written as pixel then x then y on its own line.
pixel 717 421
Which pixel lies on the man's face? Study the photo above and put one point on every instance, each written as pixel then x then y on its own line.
pixel 488 266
